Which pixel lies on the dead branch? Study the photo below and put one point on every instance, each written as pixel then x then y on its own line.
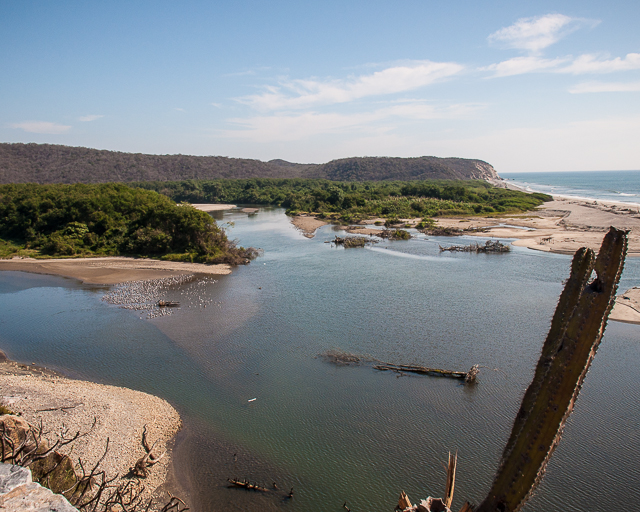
pixel 149 459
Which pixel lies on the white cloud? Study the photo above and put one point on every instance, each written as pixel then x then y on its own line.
pixel 591 64
pixel 86 119
pixel 45 127
pixel 521 65
pixel 584 64
pixel 295 94
pixel 295 127
pixel 588 87
pixel 536 33
pixel 178 109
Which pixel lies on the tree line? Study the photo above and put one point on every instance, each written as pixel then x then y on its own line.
pixel 354 201
pixel 109 220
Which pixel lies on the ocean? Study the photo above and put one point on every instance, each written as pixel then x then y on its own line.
pixel 619 186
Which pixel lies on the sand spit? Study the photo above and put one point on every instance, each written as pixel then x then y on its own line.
pixel 120 414
pixel 307 224
pixel 560 226
pixel 213 207
pixel 627 308
pixel 111 270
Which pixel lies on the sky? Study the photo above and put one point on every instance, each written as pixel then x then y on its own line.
pixel 526 86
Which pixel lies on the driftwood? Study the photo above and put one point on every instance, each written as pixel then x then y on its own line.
pixel 469 376
pixel 489 246
pixel 451 231
pixel 245 484
pixel 394 234
pixel 149 459
pixel 168 304
pixel 349 242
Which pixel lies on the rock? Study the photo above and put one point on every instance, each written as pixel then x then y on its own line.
pixel 19 494
pixel 18 431
pixel 12 476
pixel 32 497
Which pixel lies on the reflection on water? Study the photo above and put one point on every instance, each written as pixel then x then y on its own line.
pixel 348 433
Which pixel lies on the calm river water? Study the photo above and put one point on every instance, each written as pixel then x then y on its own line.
pixel 347 433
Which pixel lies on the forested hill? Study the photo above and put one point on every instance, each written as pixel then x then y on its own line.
pixel 48 163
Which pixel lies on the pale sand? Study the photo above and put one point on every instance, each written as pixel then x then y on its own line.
pixel 627 308
pixel 357 230
pixel 120 415
pixel 307 225
pixel 213 207
pixel 111 270
pixel 560 226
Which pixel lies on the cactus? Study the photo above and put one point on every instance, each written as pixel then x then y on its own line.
pixel 576 330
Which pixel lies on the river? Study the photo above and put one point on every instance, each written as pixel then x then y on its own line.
pixel 349 434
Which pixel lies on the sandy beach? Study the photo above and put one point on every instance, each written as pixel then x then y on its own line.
pixel 560 226
pixel 213 207
pixel 120 414
pixel 111 270
pixel 307 224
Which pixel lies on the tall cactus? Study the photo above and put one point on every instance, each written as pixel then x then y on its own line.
pixel 576 330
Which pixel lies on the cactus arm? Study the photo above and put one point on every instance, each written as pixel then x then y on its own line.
pixel 576 330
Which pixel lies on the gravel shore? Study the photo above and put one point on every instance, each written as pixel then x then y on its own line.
pixel 120 415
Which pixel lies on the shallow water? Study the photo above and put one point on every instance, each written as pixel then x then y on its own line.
pixel 351 434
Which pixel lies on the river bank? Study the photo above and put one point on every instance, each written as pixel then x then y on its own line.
pixel 103 412
pixel 560 226
pixel 111 270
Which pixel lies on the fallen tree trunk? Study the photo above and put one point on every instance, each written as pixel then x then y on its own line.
pixel 469 376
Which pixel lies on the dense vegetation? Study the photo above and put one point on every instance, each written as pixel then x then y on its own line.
pixel 353 201
pixel 49 163
pixel 110 219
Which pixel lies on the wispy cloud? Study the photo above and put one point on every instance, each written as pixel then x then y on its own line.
pixel 86 119
pixel 592 64
pixel 522 65
pixel 290 127
pixel 537 33
pixel 589 87
pixel 45 127
pixel 179 109
pixel 582 65
pixel 297 94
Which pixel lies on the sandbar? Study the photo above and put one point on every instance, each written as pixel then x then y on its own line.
pixel 307 224
pixel 111 270
pixel 560 226
pixel 120 415
pixel 205 207
pixel 627 307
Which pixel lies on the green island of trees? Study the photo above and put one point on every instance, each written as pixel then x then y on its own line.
pixel 355 201
pixel 108 220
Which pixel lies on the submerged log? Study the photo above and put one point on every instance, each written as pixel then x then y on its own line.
pixel 349 242
pixel 168 304
pixel 489 246
pixel 469 376
pixel 246 485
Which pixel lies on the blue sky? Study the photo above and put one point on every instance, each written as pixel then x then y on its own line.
pixel 526 86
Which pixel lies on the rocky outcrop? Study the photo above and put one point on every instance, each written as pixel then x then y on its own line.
pixel 19 494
